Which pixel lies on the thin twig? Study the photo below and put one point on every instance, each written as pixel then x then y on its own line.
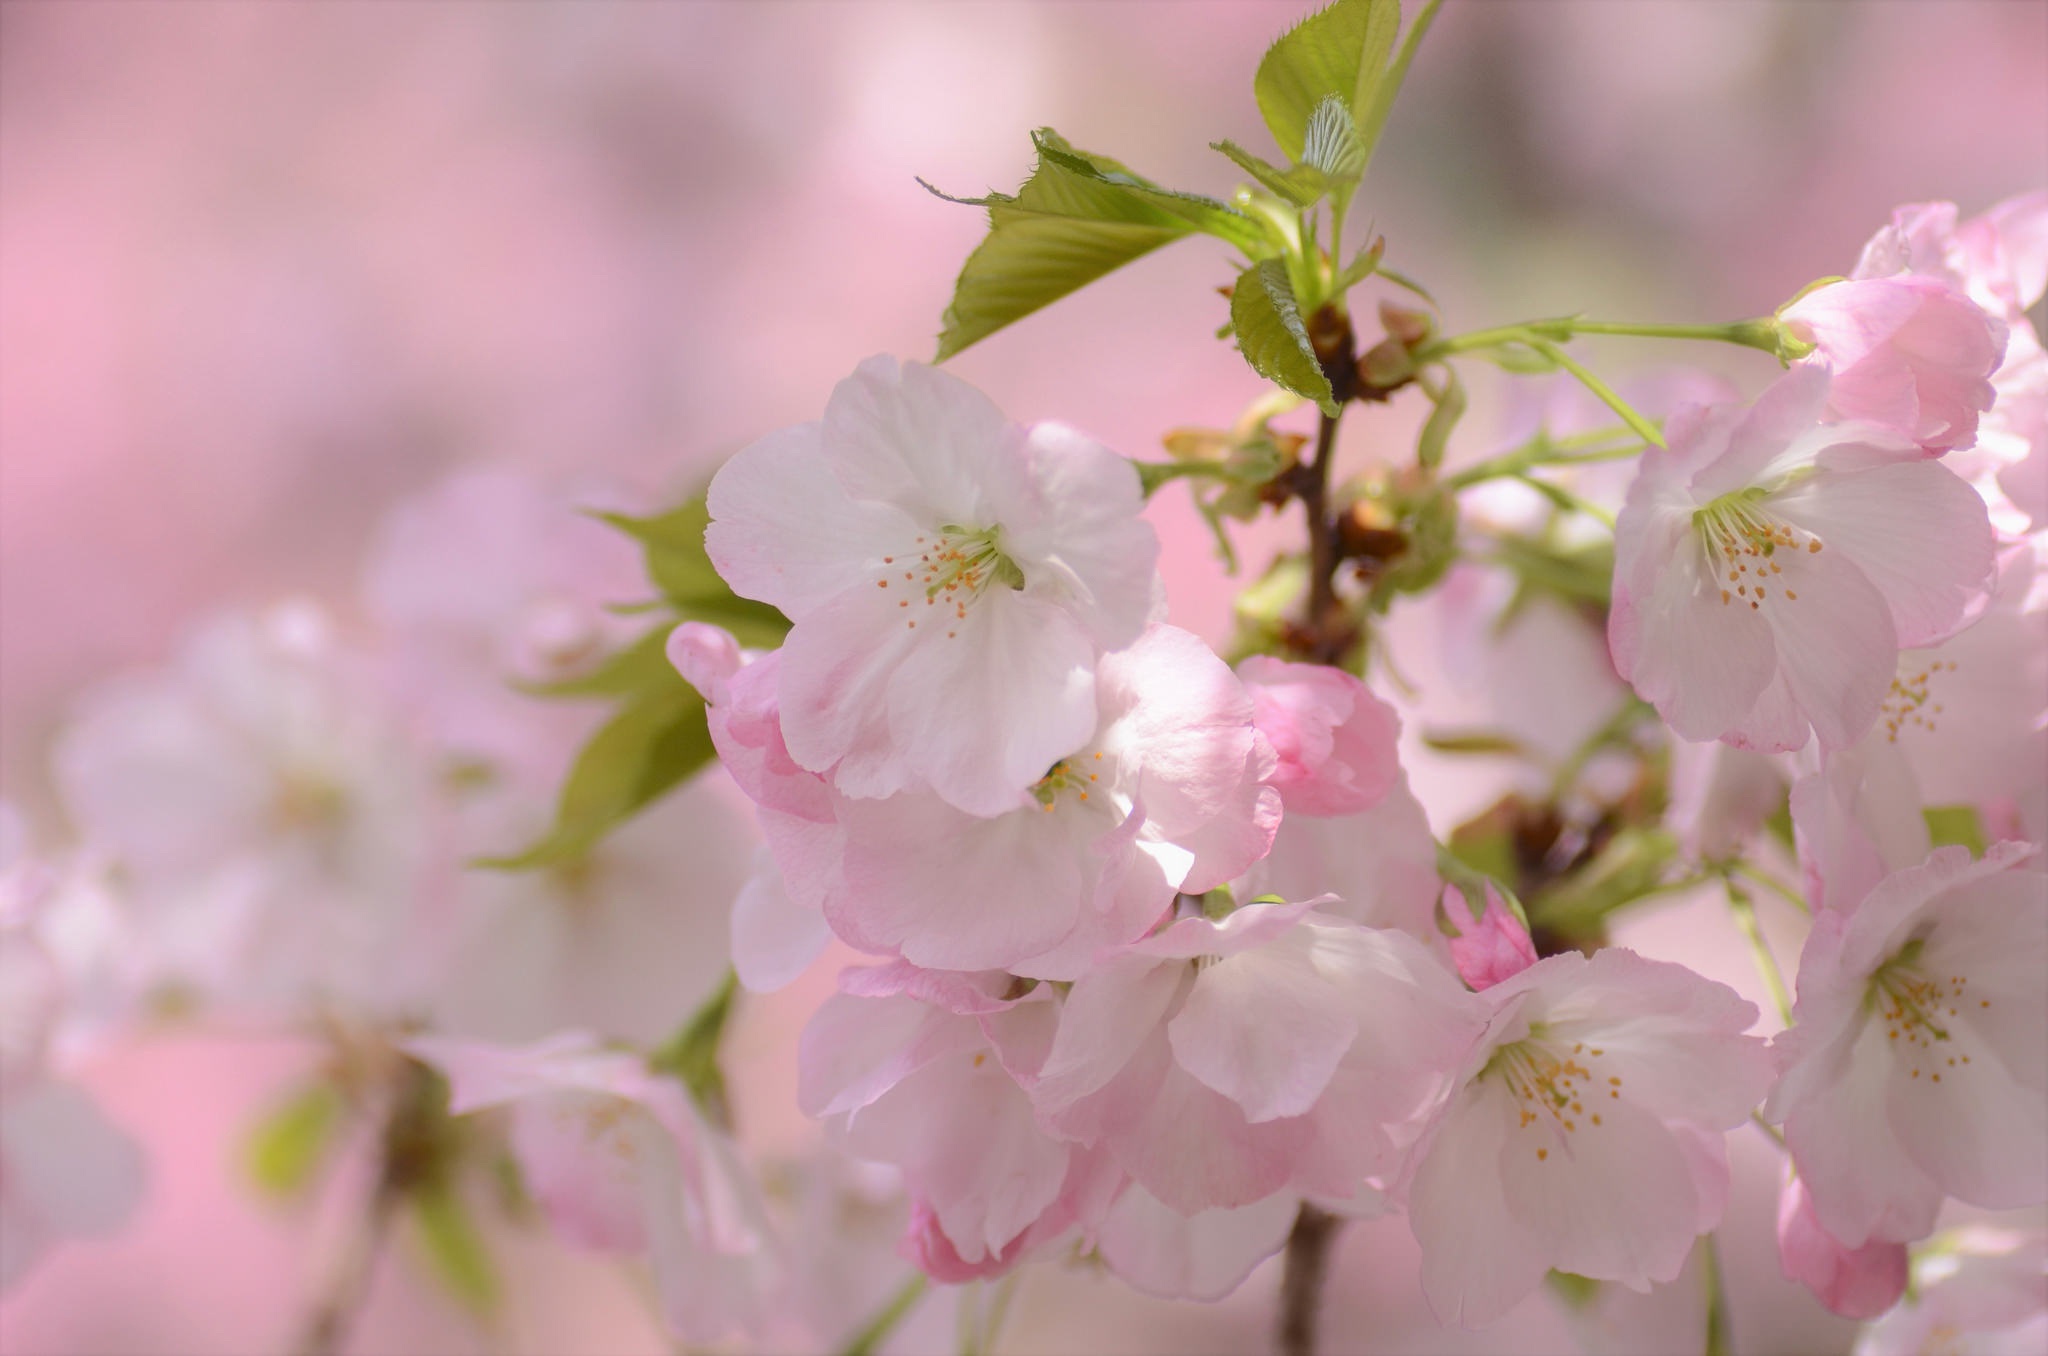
pixel 1306 1264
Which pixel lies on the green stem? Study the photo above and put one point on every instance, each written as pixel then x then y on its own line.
pixel 1153 474
pixel 1566 500
pixel 1774 885
pixel 1645 430
pixel 1516 463
pixel 1718 1341
pixel 1762 334
pixel 878 1328
pixel 1744 911
pixel 1777 1136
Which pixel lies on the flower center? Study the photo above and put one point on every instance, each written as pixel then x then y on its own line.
pixel 1742 538
pixel 1916 1008
pixel 954 568
pixel 1551 1086
pixel 1068 774
pixel 1907 705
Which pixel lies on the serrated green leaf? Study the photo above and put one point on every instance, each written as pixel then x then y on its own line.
pixel 1436 430
pixel 454 1247
pixel 1372 120
pixel 286 1148
pixel 1340 51
pixel 1078 217
pixel 656 739
pixel 1272 335
pixel 673 543
pixel 1956 826
pixel 1304 185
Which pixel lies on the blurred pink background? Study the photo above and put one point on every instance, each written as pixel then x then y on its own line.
pixel 265 270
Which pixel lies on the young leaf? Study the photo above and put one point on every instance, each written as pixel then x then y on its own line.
pixel 1436 432
pixel 1304 185
pixel 1372 120
pixel 288 1145
pixel 1078 217
pixel 1272 336
pixel 1340 51
pixel 455 1247
pixel 674 546
pixel 656 740
pixel 637 668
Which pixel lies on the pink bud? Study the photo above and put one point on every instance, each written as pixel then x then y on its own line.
pixel 1853 1282
pixel 1493 946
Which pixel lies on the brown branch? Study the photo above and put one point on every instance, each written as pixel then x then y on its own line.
pixel 1307 1263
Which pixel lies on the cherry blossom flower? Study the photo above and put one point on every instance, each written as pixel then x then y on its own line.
pixel 1586 1132
pixel 621 1162
pixel 625 942
pixel 952 579
pixel 920 1069
pixel 776 933
pixel 1275 1050
pixel 2000 261
pixel 1335 741
pixel 1917 1064
pixel 1911 354
pixel 1769 568
pixel 1203 1256
pixel 1492 944
pixel 1976 1292
pixel 490 578
pixel 1166 797
pixel 1853 1282
pixel 66 1172
pixel 281 823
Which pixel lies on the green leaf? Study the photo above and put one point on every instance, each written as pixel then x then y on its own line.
pixel 1304 185
pixel 1340 51
pixel 637 668
pixel 454 1247
pixel 1631 866
pixel 286 1147
pixel 1272 335
pixel 1372 120
pixel 691 1055
pixel 1078 217
pixel 1576 1291
pixel 1956 826
pixel 656 739
pixel 673 543
pixel 1436 431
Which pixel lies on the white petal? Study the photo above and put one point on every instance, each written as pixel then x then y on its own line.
pixel 1916 530
pixel 1198 1257
pixel 1478 1260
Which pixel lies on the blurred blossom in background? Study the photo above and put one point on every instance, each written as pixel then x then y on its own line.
pixel 267 271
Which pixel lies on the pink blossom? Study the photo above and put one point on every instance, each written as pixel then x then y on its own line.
pixel 1917 1064
pixel 1853 1282
pixel 66 1172
pixel 280 822
pixel 489 578
pixel 1205 1256
pixel 1491 946
pixel 622 1162
pixel 1167 796
pixel 2000 261
pixel 1380 864
pixel 1586 1133
pixel 1276 1050
pixel 1976 1292
pixel 920 1070
pixel 1335 741
pixel 1909 354
pixel 952 579
pixel 1769 568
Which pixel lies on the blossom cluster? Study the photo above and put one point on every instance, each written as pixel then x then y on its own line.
pixel 1157 961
